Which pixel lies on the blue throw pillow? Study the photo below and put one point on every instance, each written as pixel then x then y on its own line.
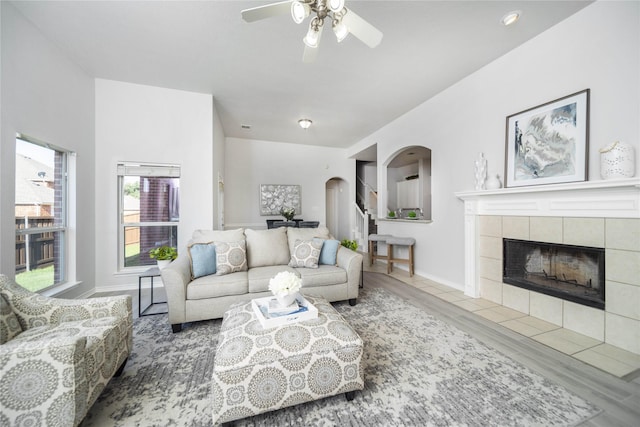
pixel 203 259
pixel 329 251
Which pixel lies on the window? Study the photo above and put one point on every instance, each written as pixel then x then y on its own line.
pixel 41 214
pixel 149 211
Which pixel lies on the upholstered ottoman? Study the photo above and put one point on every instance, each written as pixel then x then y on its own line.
pixel 256 370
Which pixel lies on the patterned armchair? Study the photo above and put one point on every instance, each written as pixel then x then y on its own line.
pixel 57 355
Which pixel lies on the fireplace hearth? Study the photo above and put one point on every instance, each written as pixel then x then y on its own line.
pixel 573 273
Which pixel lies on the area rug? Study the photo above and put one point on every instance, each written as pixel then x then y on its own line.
pixel 419 371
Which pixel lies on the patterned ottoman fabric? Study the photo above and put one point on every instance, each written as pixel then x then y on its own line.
pixel 258 370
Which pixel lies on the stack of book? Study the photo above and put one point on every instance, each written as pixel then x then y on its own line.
pixel 271 314
pixel 274 309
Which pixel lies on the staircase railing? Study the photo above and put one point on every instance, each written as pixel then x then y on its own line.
pixel 361 229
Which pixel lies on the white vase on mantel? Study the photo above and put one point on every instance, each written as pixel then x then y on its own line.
pixel 493 182
pixel 617 161
pixel 480 171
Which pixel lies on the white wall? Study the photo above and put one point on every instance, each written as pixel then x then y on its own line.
pixel 597 48
pixel 136 123
pixel 250 163
pixel 47 97
pixel 218 164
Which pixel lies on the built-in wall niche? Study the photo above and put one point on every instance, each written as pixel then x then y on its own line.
pixel 409 182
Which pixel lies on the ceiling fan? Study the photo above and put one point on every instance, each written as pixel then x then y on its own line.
pixel 343 21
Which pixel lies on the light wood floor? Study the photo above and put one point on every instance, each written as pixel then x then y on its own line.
pixel 619 399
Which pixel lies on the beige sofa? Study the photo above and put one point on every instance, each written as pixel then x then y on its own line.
pixel 268 252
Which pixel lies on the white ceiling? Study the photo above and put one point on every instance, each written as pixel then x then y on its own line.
pixel 255 71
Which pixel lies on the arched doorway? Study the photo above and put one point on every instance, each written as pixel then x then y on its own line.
pixel 337 208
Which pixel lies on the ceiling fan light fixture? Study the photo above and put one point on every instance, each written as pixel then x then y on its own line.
pixel 511 18
pixel 340 30
pixel 336 5
pixel 305 123
pixel 300 11
pixel 312 39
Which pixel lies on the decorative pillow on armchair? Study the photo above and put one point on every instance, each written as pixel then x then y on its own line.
pixel 203 259
pixel 306 254
pixel 230 257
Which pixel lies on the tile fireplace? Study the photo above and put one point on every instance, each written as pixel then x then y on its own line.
pixel 600 218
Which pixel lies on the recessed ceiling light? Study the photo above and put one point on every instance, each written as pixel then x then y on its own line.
pixel 304 123
pixel 511 18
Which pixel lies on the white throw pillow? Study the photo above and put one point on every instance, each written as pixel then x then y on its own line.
pixel 267 247
pixel 206 236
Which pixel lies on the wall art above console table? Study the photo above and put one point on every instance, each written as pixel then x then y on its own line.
pixel 274 197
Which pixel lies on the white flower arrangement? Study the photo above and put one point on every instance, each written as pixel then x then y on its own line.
pixel 285 283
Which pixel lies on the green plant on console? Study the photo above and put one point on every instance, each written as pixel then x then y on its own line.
pixel 349 244
pixel 412 214
pixel 391 214
pixel 288 213
pixel 163 253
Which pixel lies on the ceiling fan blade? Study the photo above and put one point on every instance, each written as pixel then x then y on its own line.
pixel 266 11
pixel 367 33
pixel 310 54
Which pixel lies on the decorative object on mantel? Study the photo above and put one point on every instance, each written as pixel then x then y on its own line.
pixel 273 198
pixel 481 171
pixel 493 183
pixel 285 286
pixel 548 144
pixel 617 160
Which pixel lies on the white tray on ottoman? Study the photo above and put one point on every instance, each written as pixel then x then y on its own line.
pixel 256 370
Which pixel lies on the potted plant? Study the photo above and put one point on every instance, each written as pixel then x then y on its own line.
pixel 350 244
pixel 163 255
pixel 391 214
pixel 287 213
pixel 412 215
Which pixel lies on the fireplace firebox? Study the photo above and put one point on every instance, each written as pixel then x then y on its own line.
pixel 573 273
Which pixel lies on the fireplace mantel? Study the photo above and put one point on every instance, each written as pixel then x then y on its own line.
pixel 608 199
pixel 590 199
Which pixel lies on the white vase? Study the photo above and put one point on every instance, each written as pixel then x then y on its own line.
pixel 493 183
pixel 617 160
pixel 162 263
pixel 285 300
pixel 481 171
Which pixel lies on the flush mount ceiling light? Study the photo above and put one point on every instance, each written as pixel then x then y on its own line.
pixel 511 18
pixel 305 123
pixel 343 21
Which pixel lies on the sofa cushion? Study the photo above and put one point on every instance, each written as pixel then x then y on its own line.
pixel 322 276
pixel 9 325
pixel 267 247
pixel 206 236
pixel 231 257
pixel 329 251
pixel 218 286
pixel 203 259
pixel 259 277
pixel 306 254
pixel 303 234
